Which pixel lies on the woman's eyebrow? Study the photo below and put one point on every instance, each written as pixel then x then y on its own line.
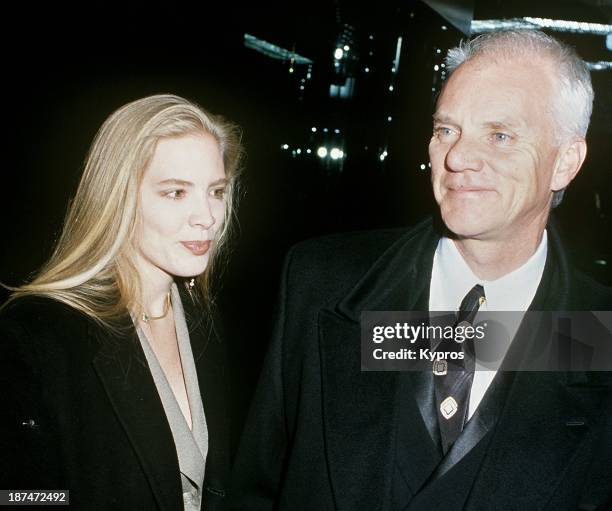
pixel 174 181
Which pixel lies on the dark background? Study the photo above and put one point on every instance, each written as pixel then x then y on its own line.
pixel 65 72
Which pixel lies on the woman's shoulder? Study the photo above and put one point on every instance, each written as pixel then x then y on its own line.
pixel 37 306
pixel 40 316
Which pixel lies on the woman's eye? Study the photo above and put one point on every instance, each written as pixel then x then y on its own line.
pixel 175 194
pixel 218 193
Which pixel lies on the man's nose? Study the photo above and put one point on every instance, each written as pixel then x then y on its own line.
pixel 202 214
pixel 464 155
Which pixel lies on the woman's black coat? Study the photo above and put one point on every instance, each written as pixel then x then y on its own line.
pixel 80 411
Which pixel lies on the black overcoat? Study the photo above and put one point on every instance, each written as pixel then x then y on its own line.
pixel 80 411
pixel 323 435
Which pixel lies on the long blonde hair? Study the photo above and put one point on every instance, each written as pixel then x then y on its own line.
pixel 92 266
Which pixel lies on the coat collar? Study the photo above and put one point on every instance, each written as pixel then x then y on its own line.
pixel 399 279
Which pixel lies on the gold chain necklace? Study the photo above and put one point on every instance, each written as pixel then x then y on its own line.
pixel 146 318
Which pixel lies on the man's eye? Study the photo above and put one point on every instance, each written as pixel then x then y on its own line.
pixel 443 131
pixel 175 194
pixel 501 137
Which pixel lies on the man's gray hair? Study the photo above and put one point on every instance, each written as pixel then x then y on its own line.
pixel 573 101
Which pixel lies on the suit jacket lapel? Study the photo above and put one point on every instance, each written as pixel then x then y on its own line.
pixel 360 409
pixel 479 426
pixel 125 375
pixel 418 459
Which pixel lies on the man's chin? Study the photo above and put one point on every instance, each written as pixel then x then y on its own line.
pixel 466 226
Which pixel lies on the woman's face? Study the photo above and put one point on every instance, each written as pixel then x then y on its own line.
pixel 182 204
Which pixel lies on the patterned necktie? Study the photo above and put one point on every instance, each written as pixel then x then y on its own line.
pixel 453 378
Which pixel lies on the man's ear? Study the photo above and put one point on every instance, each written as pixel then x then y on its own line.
pixel 570 159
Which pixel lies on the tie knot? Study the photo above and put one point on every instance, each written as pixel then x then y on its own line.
pixel 471 303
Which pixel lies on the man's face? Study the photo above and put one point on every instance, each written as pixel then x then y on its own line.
pixel 493 149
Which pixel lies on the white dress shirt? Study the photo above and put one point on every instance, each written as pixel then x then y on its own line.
pixel 452 279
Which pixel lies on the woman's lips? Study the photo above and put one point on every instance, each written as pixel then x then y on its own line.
pixel 197 248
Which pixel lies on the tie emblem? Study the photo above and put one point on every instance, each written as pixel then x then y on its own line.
pixel 440 367
pixel 448 407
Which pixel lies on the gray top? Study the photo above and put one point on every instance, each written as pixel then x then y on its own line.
pixel 191 444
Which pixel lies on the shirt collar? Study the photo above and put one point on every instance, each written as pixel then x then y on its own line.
pixel 452 278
